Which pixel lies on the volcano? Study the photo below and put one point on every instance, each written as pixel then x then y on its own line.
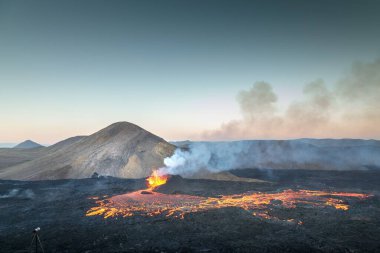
pixel 28 144
pixel 120 150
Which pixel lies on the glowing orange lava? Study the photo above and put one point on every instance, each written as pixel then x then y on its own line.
pixel 155 180
pixel 178 205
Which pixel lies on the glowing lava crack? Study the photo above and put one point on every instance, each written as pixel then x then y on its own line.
pixel 178 205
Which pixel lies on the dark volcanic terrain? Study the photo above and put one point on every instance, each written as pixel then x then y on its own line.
pixel 59 208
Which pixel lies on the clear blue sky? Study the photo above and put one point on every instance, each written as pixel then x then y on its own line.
pixel 173 67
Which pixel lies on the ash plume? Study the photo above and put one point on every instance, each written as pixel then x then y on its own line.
pixel 348 109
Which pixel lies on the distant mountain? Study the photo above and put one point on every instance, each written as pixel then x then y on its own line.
pixel 121 150
pixel 28 144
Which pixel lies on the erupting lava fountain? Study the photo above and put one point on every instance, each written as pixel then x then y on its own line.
pixel 155 179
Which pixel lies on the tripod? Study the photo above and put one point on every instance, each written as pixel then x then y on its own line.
pixel 36 240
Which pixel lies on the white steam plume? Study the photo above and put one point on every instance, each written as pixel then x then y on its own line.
pixel 272 154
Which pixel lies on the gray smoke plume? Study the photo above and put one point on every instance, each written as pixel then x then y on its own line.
pixel 348 109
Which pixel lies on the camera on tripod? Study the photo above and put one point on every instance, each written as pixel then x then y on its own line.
pixel 36 241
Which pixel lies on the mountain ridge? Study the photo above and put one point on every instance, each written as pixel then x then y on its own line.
pixel 122 149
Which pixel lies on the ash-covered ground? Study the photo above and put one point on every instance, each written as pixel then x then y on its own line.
pixel 59 208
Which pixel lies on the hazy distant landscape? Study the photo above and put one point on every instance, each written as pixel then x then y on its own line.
pixel 126 150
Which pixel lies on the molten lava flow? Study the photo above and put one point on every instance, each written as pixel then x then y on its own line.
pixel 155 179
pixel 178 205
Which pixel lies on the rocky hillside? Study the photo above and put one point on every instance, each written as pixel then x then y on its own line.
pixel 121 150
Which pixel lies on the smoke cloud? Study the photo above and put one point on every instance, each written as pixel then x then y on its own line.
pixel 348 109
pixel 272 154
pixel 200 155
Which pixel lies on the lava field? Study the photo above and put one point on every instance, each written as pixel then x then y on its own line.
pixel 287 211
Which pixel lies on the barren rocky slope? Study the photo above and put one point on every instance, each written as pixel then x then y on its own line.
pixel 121 150
pixel 10 156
